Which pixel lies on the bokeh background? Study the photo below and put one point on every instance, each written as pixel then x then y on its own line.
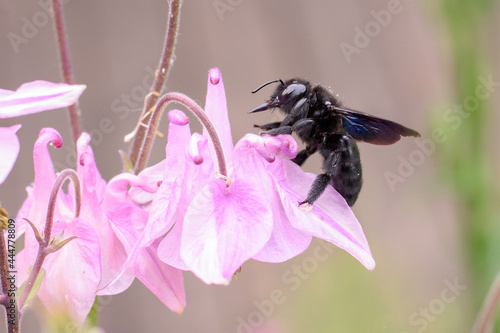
pixel 429 208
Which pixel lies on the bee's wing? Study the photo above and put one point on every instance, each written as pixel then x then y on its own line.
pixel 371 129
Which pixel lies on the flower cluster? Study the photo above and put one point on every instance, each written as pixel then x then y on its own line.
pixel 208 207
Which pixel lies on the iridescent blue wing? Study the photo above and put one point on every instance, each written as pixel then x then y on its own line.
pixel 365 127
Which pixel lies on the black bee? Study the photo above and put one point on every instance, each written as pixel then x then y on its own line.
pixel 324 125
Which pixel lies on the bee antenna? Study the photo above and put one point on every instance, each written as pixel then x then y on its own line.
pixel 268 83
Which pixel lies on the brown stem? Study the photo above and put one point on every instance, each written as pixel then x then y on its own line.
pixel 60 26
pixel 197 111
pixel 161 74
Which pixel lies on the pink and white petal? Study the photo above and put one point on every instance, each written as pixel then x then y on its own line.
pixel 113 254
pixel 168 194
pixel 37 96
pixel 196 176
pixel 127 221
pixel 223 228
pixel 44 175
pixel 178 136
pixel 170 246
pixel 216 109
pixel 283 144
pixel 83 146
pixel 152 176
pixel 330 218
pixel 285 242
pixel 9 148
pixel 72 274
pixel 252 154
pixel 165 281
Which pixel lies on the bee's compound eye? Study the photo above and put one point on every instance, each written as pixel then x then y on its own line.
pixel 292 91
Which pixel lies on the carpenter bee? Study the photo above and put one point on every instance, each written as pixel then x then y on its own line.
pixel 324 125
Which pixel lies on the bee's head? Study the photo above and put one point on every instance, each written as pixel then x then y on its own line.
pixel 284 96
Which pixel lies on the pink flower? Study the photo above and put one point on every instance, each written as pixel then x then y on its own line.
pixel 213 224
pixel 106 227
pixel 72 273
pixel 32 97
pixel 128 221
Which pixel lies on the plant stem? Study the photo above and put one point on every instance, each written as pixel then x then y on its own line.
pixel 60 26
pixel 197 111
pixel 487 315
pixel 161 74
pixel 44 244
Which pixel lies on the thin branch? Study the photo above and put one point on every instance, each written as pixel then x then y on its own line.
pixel 164 67
pixel 60 26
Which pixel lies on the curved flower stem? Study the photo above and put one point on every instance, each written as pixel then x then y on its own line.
pixel 161 74
pixel 74 111
pixel 197 111
pixel 487 315
pixel 43 249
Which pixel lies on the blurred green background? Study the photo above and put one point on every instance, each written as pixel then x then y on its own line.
pixel 429 207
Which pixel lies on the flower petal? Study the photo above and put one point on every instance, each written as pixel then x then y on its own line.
pixel 216 110
pixel 72 273
pixel 196 176
pixel 37 96
pixel 127 221
pixel 113 254
pixel 223 228
pixel 285 242
pixel 9 148
pixel 44 174
pixel 330 218
pixel 168 195
pixel 166 282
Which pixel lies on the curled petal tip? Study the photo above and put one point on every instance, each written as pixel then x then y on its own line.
pixel 52 135
pixel 214 76
pixel 84 158
pixel 196 144
pixel 178 117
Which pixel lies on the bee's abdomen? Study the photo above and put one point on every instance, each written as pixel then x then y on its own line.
pixel 343 165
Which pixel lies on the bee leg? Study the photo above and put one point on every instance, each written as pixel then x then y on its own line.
pixel 318 187
pixel 304 127
pixel 278 131
pixel 269 126
pixel 304 154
